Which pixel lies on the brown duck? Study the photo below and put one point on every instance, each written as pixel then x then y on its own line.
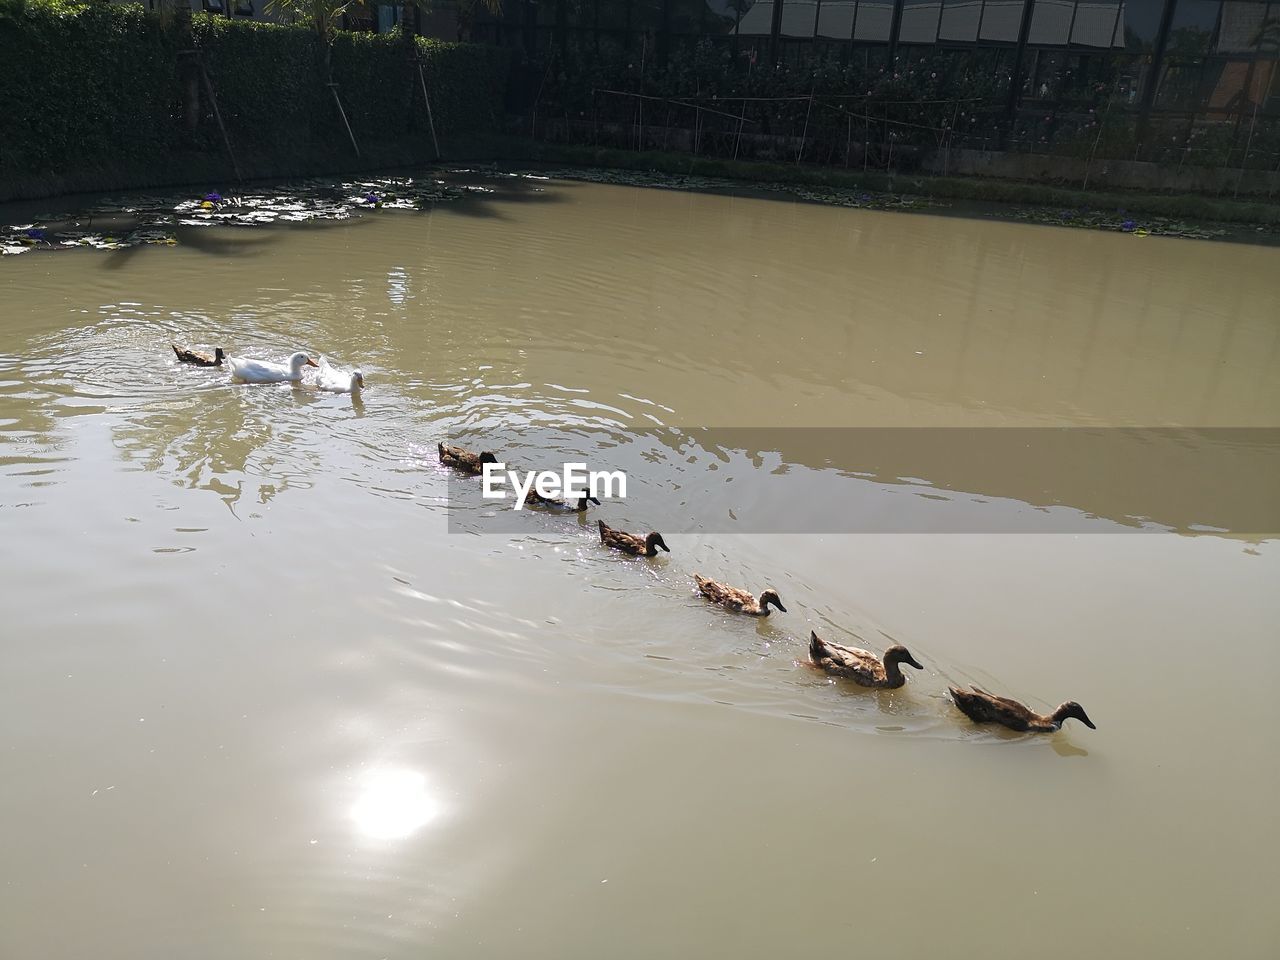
pixel 630 543
pixel 464 460
pixel 982 707
pixel 861 666
pixel 559 503
pixel 199 357
pixel 739 601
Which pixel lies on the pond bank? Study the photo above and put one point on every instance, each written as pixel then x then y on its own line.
pixel 1019 200
pixel 330 186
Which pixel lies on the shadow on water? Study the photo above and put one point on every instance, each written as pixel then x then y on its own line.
pixel 496 193
pixel 201 239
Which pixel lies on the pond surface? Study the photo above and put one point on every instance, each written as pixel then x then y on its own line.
pixel 265 691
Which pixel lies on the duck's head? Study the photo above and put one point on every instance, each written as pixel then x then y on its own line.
pixel 900 654
pixel 584 500
pixel 654 540
pixel 357 380
pixel 771 596
pixel 1072 709
pixel 488 457
pixel 218 355
pixel 300 360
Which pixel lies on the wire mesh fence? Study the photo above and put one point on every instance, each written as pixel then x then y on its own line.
pixel 1178 83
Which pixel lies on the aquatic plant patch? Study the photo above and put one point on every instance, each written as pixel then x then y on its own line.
pixel 156 219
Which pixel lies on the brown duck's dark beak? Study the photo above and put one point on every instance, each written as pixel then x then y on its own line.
pixel 780 606
pixel 1087 722
pixel 915 663
pixel 594 500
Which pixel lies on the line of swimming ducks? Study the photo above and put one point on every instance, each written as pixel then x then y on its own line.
pixel 247 370
pixel 861 666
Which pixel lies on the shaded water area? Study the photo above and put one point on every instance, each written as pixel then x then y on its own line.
pixel 262 694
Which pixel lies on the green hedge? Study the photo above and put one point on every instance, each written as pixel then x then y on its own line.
pixel 88 85
pixel 265 77
pixel 80 85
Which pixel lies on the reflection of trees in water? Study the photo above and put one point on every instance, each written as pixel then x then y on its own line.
pixel 223 440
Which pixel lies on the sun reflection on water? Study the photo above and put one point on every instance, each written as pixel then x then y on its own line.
pixel 393 804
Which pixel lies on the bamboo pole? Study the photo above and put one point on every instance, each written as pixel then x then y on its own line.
pixel 197 57
pixel 804 137
pixel 738 138
pixel 435 144
pixel 333 88
pixel 1248 145
pixel 1101 123
pixel 217 115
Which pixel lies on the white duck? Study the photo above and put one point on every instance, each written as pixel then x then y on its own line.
pixel 338 381
pixel 261 371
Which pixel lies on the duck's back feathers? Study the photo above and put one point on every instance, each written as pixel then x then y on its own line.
pixel 559 503
pixel 621 540
pixel 198 357
pixel 982 707
pixel 631 543
pixel 722 593
pixel 861 666
pixel 468 461
pixel 733 598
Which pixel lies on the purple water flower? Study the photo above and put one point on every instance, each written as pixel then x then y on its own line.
pixel 213 197
pixel 36 233
pixel 1128 226
pixel 372 198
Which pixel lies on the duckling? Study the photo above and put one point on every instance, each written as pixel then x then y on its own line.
pixel 739 601
pixel 464 460
pixel 630 543
pixel 559 503
pixel 861 666
pixel 982 707
pixel 199 357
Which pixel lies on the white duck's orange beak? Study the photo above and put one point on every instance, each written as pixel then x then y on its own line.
pixel 311 363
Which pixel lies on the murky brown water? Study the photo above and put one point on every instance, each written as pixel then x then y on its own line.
pixel 256 701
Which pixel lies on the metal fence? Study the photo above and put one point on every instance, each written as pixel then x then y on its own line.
pixel 1171 56
pixel 1185 82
